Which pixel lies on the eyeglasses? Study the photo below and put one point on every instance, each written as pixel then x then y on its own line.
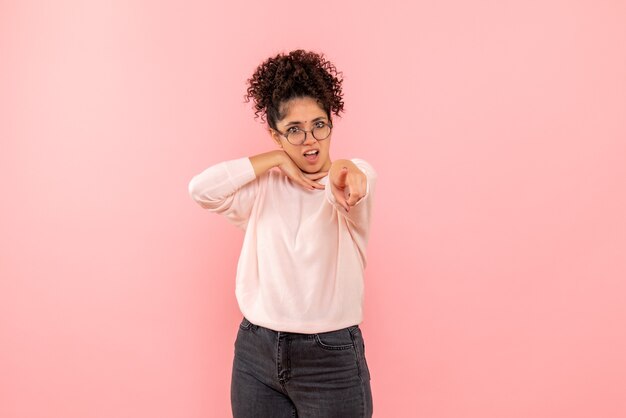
pixel 297 136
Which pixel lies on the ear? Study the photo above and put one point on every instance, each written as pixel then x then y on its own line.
pixel 275 137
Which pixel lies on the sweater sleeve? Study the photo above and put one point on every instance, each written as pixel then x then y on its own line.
pixel 228 188
pixel 359 214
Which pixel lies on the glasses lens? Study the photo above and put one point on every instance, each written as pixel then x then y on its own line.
pixel 321 132
pixel 296 137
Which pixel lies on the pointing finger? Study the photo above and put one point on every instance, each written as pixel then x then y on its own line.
pixel 341 178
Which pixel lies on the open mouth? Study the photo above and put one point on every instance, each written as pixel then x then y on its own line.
pixel 311 155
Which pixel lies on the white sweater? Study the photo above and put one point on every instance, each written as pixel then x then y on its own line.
pixel 302 260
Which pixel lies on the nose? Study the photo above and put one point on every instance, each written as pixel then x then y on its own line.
pixel 310 139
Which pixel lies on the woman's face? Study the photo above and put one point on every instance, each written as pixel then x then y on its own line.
pixel 304 113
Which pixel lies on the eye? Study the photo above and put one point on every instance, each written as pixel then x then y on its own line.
pixel 293 129
pixel 320 124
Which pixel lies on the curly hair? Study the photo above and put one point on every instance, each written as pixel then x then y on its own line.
pixel 297 74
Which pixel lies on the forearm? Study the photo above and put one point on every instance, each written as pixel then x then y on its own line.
pixel 266 161
pixel 214 184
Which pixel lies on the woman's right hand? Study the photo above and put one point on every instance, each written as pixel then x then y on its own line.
pixel 289 168
pixel 280 159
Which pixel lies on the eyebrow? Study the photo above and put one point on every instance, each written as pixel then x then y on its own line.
pixel 298 123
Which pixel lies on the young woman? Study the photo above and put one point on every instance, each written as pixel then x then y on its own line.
pixel 299 350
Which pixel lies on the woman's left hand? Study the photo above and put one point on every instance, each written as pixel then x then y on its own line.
pixel 348 183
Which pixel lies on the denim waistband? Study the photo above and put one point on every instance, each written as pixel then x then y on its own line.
pixel 246 324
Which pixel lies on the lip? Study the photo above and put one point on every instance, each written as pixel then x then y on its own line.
pixel 311 149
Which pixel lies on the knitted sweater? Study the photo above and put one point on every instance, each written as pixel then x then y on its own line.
pixel 302 259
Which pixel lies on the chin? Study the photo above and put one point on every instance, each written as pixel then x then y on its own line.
pixel 306 167
pixel 311 170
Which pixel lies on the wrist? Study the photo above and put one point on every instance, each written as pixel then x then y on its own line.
pixel 279 157
pixel 266 161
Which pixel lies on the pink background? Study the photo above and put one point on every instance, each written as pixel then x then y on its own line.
pixel 496 278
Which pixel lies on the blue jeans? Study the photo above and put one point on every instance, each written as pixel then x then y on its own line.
pixel 284 374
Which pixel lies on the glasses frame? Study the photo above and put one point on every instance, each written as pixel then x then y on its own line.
pixel 330 125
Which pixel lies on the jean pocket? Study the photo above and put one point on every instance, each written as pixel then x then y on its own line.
pixel 245 324
pixel 335 340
